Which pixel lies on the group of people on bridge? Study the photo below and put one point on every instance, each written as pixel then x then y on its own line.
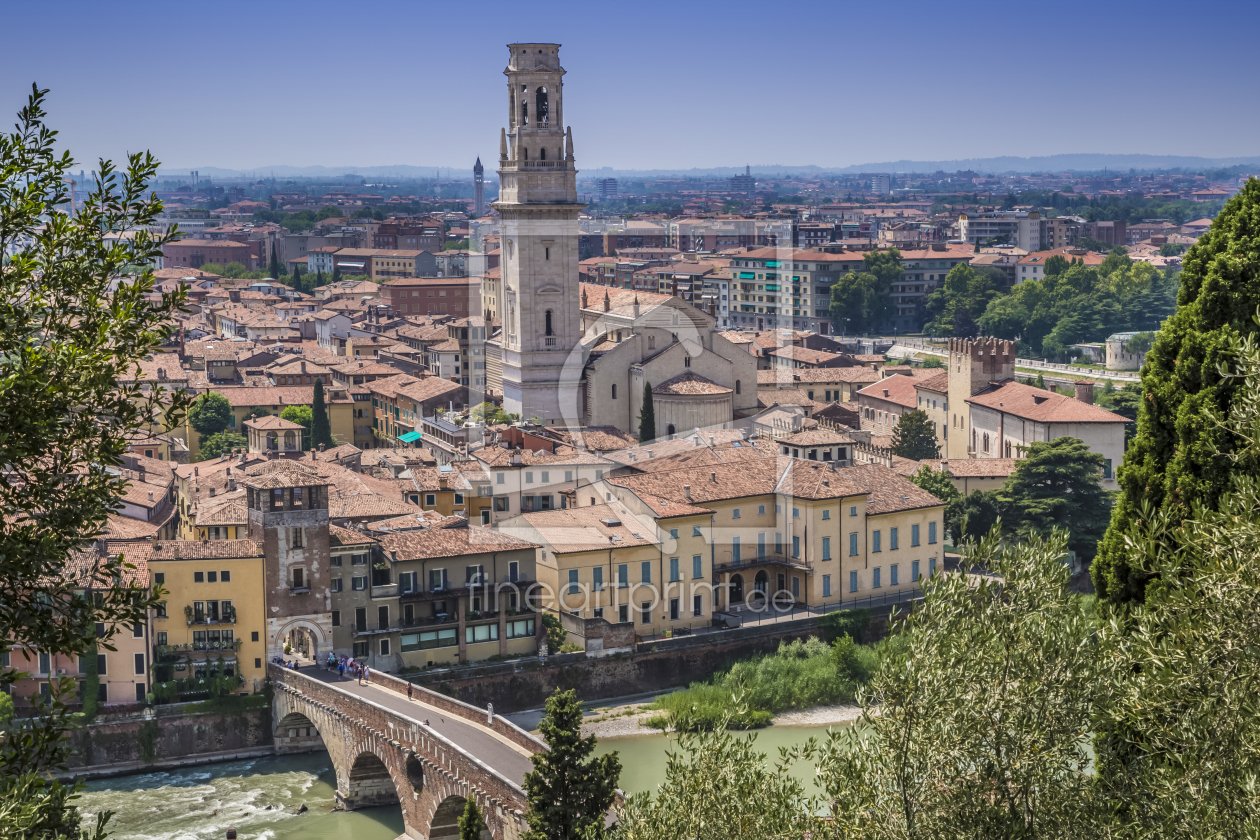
pixel 346 665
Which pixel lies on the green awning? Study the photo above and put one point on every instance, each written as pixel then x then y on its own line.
pixel 410 436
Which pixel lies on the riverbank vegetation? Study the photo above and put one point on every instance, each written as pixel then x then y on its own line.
pixel 799 675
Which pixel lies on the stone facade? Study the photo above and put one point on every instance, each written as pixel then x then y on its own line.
pixel 973 364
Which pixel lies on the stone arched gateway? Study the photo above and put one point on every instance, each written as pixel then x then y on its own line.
pixel 381 757
pixel 321 639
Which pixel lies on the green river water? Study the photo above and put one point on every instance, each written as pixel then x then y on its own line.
pixel 199 803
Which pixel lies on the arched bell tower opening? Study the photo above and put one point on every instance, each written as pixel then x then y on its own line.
pixel 538 209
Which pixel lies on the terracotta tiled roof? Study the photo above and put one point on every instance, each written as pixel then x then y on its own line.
pixel 815 437
pixel 344 536
pixel 119 527
pixel 938 383
pixel 450 542
pixel 690 384
pixel 206 549
pixel 272 422
pixel 804 354
pixel 817 376
pixel 767 398
pixel 895 389
pixel 590 528
pixel 276 396
pixel 1029 403
pixel 974 467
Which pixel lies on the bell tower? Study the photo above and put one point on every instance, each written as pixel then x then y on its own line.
pixel 538 211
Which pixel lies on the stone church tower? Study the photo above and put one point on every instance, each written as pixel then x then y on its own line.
pixel 973 364
pixel 538 211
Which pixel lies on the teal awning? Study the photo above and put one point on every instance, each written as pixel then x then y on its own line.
pixel 410 436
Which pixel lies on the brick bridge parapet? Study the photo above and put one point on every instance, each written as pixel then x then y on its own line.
pixel 381 756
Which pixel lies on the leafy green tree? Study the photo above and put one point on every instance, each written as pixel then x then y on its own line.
pixel 213 446
pixel 914 437
pixel 554 632
pixel 1178 456
pixel 718 786
pixel 862 300
pixel 979 512
pixel 321 429
pixel 489 413
pixel 955 305
pixel 647 416
pixel 977 723
pixel 939 484
pixel 72 337
pixel 300 414
pixel 1057 485
pixel 6 711
pixel 1177 753
pixel 569 792
pixel 470 822
pixel 210 413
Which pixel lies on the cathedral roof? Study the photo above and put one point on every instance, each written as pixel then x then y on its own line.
pixel 690 384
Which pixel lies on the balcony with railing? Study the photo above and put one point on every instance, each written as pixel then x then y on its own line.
pixel 192 616
pixel 726 560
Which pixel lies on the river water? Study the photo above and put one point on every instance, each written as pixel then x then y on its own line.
pixel 199 803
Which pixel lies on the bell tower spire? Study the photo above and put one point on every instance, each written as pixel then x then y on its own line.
pixel 538 210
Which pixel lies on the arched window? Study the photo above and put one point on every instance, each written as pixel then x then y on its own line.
pixel 542 107
pixel 651 342
pixel 547 320
pixel 737 386
pixel 524 105
pixel 986 441
pixel 524 153
pixel 686 361
pixel 542 153
pixel 614 392
pixel 669 430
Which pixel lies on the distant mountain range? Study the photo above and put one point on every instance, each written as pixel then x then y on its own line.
pixel 989 166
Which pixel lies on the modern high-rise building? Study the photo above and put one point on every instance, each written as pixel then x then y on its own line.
pixel 538 209
pixel 479 189
pixel 745 183
pixel 606 188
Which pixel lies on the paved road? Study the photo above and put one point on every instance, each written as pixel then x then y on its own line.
pixel 493 751
pixel 902 349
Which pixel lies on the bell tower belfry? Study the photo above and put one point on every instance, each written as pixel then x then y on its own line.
pixel 538 210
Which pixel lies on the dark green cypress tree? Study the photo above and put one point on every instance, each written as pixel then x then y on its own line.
pixel 1180 455
pixel 319 279
pixel 321 430
pixel 296 283
pixel 914 437
pixel 647 416
pixel 336 274
pixel 569 792
pixel 274 269
pixel 471 824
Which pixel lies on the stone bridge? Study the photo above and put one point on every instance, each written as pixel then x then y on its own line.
pixel 428 754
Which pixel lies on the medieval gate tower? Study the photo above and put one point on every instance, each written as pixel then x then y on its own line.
pixel 538 211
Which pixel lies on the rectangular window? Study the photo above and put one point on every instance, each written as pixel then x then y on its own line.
pixel 430 499
pixel 853 581
pixel 501 503
pixel 931 533
pixel 334 560
pixel 499 478
pixel 597 579
pixel 296 539
pixel 761 546
pixel 481 633
pixel 931 566
pixel 826 585
pixel 360 650
pixel 853 544
pixel 875 577
pixel 385 646
pixel 914 535
pixel 520 629
pixel 697 606
pixel 673 569
pixel 623 613
pixel 735 514
pixel 645 612
pixel 796 546
pixel 695 531
pixel 299 579
pixel 212 577
pixel 892 575
pixel 826 514
pixel 360 583
pixel 573 581
pixel 796 587
pixel 796 513
pixel 853 510
pixel 735 558
pixel 139 663
pixel 199 577
pixel 826 548
pixel 336 584
pixel 697 566
pixel 673 533
pixel 761 510
pixel 645 572
pixel 892 539
pixel 529 478
pixel 875 547
pixel 336 618
pixel 623 576
pixel 914 570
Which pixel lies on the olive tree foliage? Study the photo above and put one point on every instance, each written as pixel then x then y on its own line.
pixel 1179 749
pixel 717 786
pixel 72 332
pixel 977 722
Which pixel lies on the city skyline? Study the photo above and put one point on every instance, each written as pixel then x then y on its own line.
pixel 702 91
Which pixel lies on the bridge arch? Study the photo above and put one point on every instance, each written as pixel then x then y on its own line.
pixel 369 783
pixel 445 822
pixel 300 632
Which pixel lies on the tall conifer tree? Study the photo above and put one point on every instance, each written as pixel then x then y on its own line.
pixel 647 416
pixel 321 430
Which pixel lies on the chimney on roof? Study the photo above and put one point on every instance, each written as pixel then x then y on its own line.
pixel 687 492
pixel 321 447
pixel 1085 391
pixel 196 471
pixel 232 484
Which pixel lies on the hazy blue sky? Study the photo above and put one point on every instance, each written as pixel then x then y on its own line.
pixel 650 84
